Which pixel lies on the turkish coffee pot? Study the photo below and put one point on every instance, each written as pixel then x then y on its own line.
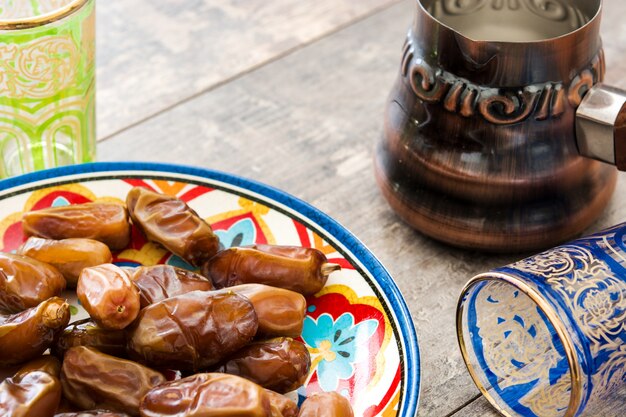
pixel 499 134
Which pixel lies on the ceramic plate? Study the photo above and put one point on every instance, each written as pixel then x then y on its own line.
pixel 358 328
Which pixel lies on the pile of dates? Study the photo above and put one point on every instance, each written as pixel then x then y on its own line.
pixel 160 341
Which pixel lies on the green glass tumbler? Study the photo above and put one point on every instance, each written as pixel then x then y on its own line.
pixel 47 84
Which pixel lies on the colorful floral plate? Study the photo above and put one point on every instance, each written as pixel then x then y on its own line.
pixel 358 329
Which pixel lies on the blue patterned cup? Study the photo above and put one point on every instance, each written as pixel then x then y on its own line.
pixel 546 336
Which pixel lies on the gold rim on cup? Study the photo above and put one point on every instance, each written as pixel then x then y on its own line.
pixel 553 317
pixel 43 19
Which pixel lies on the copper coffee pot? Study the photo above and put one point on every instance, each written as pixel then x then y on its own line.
pixel 497 124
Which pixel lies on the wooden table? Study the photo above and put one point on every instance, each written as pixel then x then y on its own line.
pixel 291 93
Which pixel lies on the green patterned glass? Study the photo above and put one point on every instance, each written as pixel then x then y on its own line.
pixel 47 84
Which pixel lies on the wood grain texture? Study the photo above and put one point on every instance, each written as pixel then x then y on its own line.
pixel 614 37
pixel 479 407
pixel 614 407
pixel 152 55
pixel 307 124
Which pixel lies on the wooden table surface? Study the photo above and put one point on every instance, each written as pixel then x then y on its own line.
pixel 291 93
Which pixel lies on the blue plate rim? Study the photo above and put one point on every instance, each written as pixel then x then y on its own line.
pixel 362 253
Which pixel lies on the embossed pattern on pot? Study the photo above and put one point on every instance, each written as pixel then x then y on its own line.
pixel 497 105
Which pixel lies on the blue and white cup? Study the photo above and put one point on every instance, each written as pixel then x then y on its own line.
pixel 546 336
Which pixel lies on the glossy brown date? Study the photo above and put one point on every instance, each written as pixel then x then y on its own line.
pixel 69 256
pixel 26 335
pixel 88 333
pixel 45 363
pixel 192 331
pixel 31 394
pixel 25 282
pixel 280 365
pixel 303 270
pixel 104 222
pixel 108 295
pixel 280 312
pixel 92 413
pixel 280 405
pixel 158 282
pixel 93 380
pixel 207 395
pixel 172 223
pixel 326 404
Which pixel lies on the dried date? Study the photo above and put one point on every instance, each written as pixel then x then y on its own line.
pixel 25 282
pixel 158 282
pixel 26 335
pixel 104 222
pixel 31 394
pixel 108 295
pixel 92 413
pixel 280 312
pixel 207 395
pixel 88 333
pixel 326 404
pixel 172 223
pixel 192 331
pixel 303 270
pixel 92 380
pixel 280 405
pixel 45 363
pixel 280 365
pixel 69 256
